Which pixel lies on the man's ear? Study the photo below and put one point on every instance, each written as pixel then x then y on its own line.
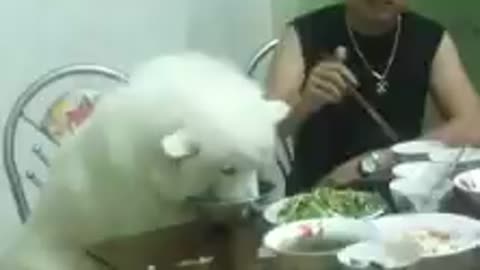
pixel 178 145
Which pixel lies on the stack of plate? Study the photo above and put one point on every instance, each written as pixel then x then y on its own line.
pixel 409 241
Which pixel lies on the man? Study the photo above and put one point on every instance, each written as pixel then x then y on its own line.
pixel 389 54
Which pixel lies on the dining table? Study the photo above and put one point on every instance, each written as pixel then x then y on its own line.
pixel 238 246
pixel 454 202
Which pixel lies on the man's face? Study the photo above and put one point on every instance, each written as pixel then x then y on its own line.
pixel 377 10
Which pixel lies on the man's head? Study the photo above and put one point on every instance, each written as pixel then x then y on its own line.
pixel 376 10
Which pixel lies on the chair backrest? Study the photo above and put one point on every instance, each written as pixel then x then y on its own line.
pixel 260 56
pixel 75 116
pixel 285 153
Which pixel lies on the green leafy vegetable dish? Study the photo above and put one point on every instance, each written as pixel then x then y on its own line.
pixel 329 202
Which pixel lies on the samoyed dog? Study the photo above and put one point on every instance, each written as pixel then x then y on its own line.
pixel 185 125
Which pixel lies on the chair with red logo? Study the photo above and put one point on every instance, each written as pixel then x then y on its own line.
pixel 65 111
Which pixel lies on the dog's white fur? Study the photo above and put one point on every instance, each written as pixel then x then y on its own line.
pixel 148 146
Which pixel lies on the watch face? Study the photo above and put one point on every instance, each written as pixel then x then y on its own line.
pixel 369 165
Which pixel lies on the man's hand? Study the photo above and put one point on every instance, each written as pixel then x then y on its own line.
pixel 348 172
pixel 328 82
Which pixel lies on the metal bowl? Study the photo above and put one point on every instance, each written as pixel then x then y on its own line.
pixel 233 211
pixel 317 251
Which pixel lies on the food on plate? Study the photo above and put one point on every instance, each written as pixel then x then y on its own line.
pixel 433 242
pixel 329 202
pixel 314 244
pixel 469 180
pixel 308 238
pixel 469 184
pixel 318 236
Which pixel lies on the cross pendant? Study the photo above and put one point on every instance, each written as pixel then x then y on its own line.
pixel 382 87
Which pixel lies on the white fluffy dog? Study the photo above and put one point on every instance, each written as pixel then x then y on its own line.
pixel 185 124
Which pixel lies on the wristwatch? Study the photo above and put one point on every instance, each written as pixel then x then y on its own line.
pixel 369 164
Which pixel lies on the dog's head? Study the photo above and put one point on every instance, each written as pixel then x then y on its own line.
pixel 226 149
pixel 222 127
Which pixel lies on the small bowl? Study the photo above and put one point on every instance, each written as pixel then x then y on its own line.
pixel 314 244
pixel 449 154
pixel 399 187
pixel 417 147
pixel 468 183
pixel 416 150
pixel 232 211
pixel 417 169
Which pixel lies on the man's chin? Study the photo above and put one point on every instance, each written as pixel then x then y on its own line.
pixel 385 17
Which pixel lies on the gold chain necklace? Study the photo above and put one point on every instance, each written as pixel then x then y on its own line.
pixel 382 81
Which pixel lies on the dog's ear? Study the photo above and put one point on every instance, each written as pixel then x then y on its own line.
pixel 279 110
pixel 178 145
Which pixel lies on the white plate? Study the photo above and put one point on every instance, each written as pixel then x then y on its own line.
pixel 392 255
pixel 464 231
pixel 449 154
pixel 417 147
pixel 271 212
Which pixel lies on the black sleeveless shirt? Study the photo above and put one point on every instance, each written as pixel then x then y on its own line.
pixel 339 132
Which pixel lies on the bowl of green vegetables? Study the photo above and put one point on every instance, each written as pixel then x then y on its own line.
pixel 326 202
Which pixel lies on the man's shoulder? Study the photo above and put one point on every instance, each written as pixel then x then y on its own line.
pixel 422 22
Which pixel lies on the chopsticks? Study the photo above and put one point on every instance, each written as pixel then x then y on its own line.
pixel 341 54
pixel 375 115
pixel 450 171
pixel 453 165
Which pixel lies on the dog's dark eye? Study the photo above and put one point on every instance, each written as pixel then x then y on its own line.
pixel 229 170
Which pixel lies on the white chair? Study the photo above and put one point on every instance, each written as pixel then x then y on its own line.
pixel 18 112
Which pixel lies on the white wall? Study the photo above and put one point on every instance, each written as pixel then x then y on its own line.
pixel 286 10
pixel 234 28
pixel 40 35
